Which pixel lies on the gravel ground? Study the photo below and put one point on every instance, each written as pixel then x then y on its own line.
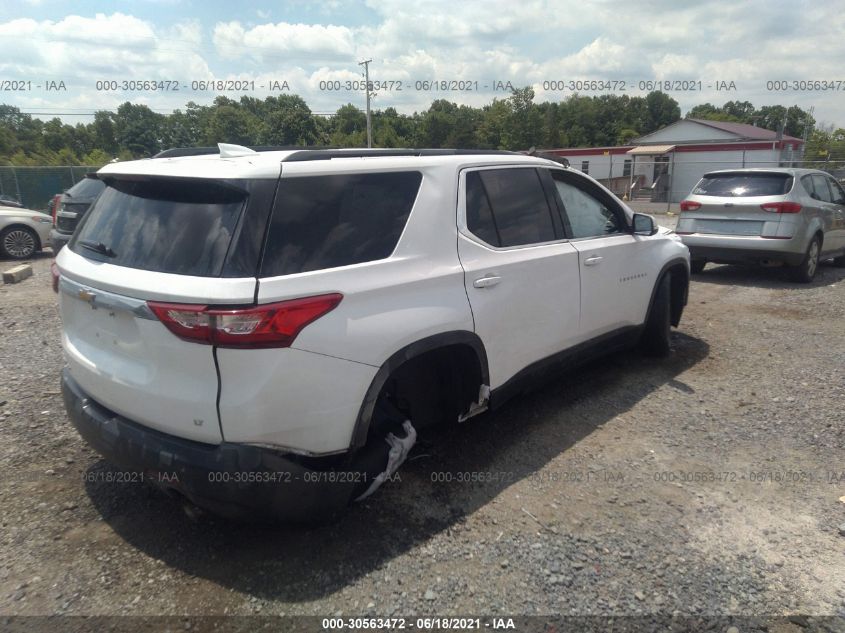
pixel 708 483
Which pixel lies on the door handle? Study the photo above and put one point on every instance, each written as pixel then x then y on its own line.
pixel 593 260
pixel 486 282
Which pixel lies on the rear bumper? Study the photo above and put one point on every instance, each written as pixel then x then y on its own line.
pixel 722 249
pixel 234 480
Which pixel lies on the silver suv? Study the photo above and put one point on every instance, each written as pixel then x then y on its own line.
pixel 765 216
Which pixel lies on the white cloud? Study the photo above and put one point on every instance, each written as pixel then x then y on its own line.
pixel 526 43
pixel 293 41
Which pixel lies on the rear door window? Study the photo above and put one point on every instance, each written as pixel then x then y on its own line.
pixel 480 219
pixel 744 185
pixel 508 207
pixel 172 225
pixel 329 221
pixel 821 188
pixel 836 190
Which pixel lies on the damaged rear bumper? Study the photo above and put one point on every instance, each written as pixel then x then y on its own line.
pixel 233 480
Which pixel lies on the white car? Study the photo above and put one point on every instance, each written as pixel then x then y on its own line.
pixel 23 232
pixel 265 332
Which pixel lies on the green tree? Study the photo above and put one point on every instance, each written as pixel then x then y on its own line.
pixel 103 130
pixel 525 123
pixel 288 122
pixel 495 119
pixel 661 110
pixel 138 129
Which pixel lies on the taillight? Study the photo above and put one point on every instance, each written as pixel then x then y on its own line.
pixel 54 273
pixel 56 199
pixel 690 205
pixel 268 325
pixel 781 207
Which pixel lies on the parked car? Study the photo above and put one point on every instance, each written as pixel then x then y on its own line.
pixel 71 207
pixel 271 345
pixel 778 216
pixel 23 232
pixel 10 201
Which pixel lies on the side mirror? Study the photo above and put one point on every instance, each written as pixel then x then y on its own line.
pixel 644 224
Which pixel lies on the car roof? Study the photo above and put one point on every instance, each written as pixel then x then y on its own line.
pixel 267 164
pixel 791 171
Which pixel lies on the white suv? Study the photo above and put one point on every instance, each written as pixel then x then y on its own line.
pixel 265 332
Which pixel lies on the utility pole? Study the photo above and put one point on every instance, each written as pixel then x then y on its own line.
pixel 806 135
pixel 366 65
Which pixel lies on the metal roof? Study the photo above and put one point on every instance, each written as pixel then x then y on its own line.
pixel 650 149
pixel 744 130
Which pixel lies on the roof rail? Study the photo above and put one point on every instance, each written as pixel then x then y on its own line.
pixel 318 152
pixel 328 154
pixel 175 152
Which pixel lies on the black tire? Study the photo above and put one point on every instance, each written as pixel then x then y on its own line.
pixel 839 262
pixel 697 266
pixel 656 335
pixel 18 242
pixel 805 272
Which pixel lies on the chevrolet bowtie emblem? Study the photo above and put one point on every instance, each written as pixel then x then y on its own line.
pixel 87 295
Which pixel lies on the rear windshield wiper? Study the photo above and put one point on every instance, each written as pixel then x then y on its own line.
pixel 97 247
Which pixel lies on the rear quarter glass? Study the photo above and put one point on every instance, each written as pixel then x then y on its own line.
pixel 171 225
pixel 744 185
pixel 336 220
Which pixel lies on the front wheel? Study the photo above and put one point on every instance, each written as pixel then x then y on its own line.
pixel 656 335
pixel 806 270
pixel 18 242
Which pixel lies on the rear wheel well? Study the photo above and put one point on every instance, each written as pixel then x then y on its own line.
pixel 433 387
pixel 679 286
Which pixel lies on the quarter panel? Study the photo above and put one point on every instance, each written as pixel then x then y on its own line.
pixel 290 398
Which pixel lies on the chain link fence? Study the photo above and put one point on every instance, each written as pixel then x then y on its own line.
pixel 34 187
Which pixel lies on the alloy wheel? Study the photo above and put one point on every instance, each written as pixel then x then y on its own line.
pixel 813 258
pixel 19 243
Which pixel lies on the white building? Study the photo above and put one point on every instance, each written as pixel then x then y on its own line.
pixel 670 161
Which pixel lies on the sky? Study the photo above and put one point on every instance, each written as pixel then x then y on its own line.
pixel 68 59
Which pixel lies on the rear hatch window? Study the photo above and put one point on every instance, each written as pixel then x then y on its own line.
pixel 743 185
pixel 171 225
pixel 85 189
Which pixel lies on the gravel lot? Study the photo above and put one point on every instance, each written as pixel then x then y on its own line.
pixel 708 483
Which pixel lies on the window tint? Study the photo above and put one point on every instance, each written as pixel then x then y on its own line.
pixel 741 185
pixel 836 190
pixel 328 221
pixel 822 190
pixel 86 188
pixel 520 211
pixel 807 183
pixel 171 225
pixel 588 216
pixel 480 220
